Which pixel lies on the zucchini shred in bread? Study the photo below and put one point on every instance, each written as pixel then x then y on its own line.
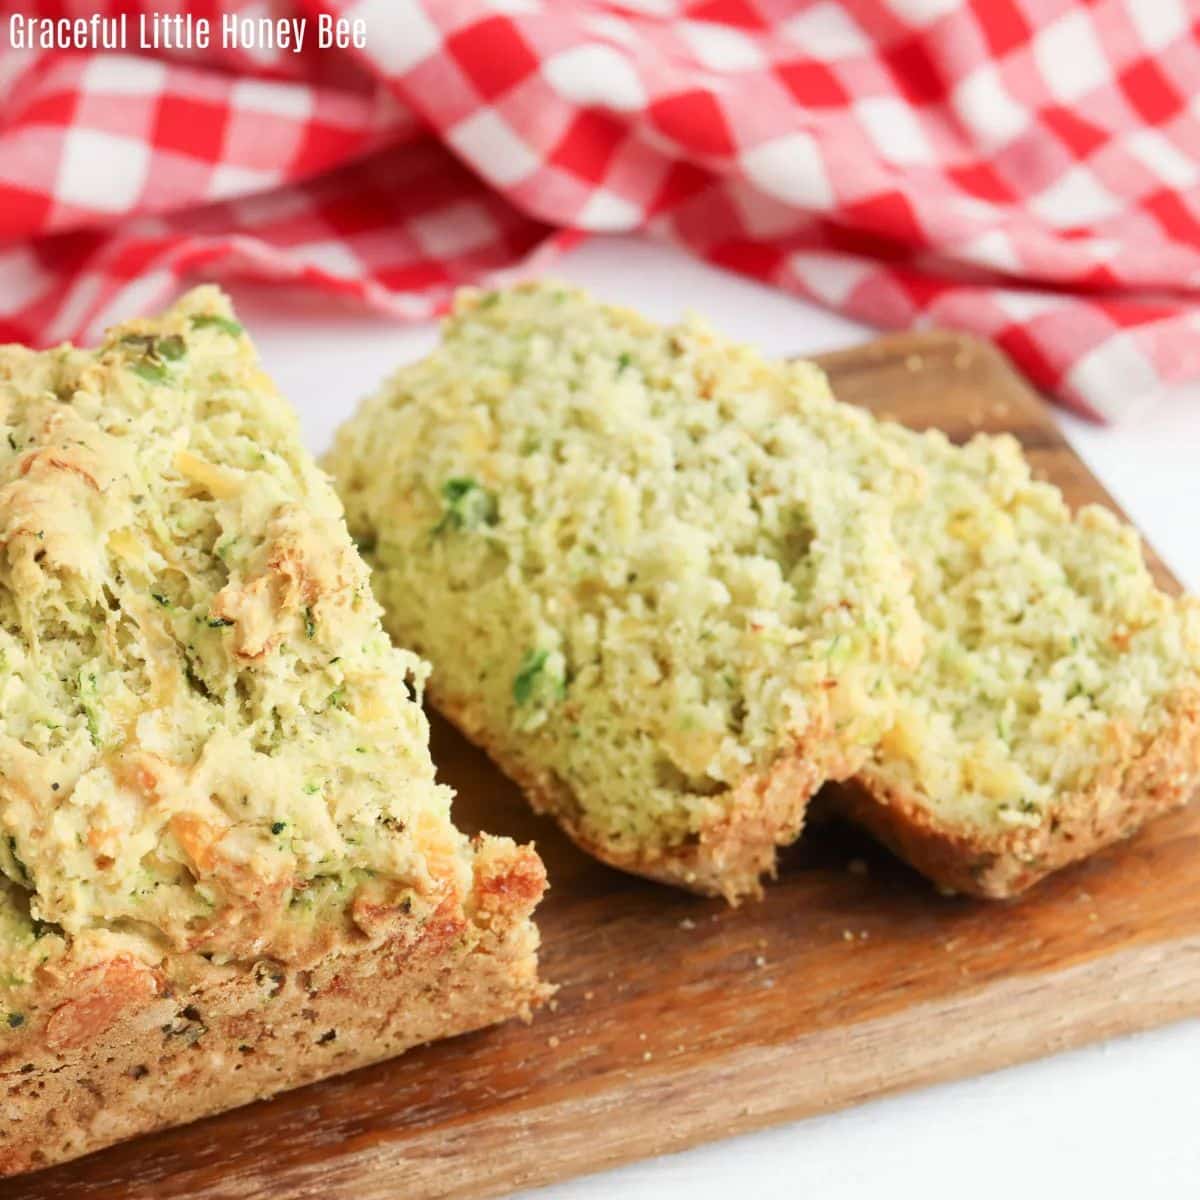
pixel 226 867
pixel 645 567
pixel 1057 706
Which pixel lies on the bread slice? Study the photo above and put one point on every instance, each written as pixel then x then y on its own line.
pixel 1057 706
pixel 226 867
pixel 647 570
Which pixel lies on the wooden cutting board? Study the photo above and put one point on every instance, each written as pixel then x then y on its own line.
pixel 680 1020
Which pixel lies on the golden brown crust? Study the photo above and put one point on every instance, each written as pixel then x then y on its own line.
pixel 137 1050
pixel 1160 775
pixel 728 858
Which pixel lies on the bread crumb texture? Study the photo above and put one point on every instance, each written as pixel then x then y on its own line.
pixel 208 745
pixel 651 569
pixel 645 561
pixel 1060 685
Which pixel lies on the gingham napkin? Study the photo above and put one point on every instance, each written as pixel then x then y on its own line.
pixel 1026 169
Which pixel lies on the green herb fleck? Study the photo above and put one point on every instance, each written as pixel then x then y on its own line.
pixel 278 827
pixel 16 1020
pixel 171 348
pixel 219 622
pixel 624 361
pixel 337 698
pixel 162 600
pixel 153 353
pixel 216 321
pixel 310 626
pixel 526 678
pixel 88 697
pixel 150 371
pixel 467 505
pixel 532 675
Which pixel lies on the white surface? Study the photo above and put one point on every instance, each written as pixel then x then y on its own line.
pixel 1114 1120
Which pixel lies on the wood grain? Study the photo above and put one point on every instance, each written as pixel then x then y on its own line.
pixel 680 1020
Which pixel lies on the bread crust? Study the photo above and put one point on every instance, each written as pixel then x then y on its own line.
pixel 728 858
pixel 136 1049
pixel 1137 784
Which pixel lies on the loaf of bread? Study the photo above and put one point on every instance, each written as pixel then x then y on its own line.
pixel 647 567
pixel 226 867
pixel 1057 706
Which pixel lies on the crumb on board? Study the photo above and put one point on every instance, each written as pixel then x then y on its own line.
pixel 687 923
pixel 913 363
pixel 552 1042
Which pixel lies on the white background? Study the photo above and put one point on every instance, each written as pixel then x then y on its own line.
pixel 1113 1120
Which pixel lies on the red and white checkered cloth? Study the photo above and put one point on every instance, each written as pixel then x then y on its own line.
pixel 1027 169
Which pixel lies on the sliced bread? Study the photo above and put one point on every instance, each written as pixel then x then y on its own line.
pixel 1057 706
pixel 647 568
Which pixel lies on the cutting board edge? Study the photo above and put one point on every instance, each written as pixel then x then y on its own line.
pixel 755 1087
